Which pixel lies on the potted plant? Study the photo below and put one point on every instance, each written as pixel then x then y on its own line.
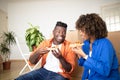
pixel 33 37
pixel 5 52
pixel 8 40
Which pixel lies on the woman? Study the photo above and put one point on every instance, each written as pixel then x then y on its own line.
pixel 97 55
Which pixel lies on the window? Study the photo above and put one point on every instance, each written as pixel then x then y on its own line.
pixel 111 15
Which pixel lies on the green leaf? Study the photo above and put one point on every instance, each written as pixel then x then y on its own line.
pixel 30 48
pixel 32 42
pixel 33 36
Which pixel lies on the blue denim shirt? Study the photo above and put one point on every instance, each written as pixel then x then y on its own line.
pixel 103 64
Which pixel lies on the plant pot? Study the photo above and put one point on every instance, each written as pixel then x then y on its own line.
pixel 6 65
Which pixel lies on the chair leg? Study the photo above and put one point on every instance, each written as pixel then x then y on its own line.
pixel 23 69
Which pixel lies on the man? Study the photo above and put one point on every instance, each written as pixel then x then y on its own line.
pixel 58 60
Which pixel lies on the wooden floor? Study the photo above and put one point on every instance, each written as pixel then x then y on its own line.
pixel 16 67
pixel 11 74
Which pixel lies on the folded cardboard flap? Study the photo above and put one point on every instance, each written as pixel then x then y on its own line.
pixel 73 36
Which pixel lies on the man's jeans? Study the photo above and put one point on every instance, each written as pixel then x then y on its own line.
pixel 41 74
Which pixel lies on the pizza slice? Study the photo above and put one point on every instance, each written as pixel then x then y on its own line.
pixel 76 44
pixel 52 48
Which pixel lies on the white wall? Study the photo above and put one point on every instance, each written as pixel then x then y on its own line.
pixel 3 23
pixel 3 5
pixel 45 13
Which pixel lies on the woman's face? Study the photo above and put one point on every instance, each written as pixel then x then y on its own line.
pixel 83 35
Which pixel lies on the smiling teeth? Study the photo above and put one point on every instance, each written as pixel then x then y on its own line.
pixel 59 37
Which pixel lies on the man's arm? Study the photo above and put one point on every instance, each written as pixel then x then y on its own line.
pixel 34 57
pixel 67 66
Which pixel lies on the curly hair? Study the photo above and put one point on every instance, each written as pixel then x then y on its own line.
pixel 93 25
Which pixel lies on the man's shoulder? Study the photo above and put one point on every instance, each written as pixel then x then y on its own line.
pixel 46 41
pixel 67 42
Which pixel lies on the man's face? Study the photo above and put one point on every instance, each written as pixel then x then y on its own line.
pixel 59 34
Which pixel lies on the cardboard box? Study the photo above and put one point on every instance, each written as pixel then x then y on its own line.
pixel 73 36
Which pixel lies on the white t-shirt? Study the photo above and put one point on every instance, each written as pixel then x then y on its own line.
pixel 52 63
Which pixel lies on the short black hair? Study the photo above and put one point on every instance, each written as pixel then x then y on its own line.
pixel 62 24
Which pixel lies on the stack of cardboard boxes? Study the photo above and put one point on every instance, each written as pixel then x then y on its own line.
pixel 74 36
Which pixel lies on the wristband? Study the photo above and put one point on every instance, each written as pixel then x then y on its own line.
pixel 85 57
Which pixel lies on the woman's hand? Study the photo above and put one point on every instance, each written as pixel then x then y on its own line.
pixel 79 51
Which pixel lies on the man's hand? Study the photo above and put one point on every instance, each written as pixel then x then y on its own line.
pixel 57 53
pixel 43 51
pixel 35 56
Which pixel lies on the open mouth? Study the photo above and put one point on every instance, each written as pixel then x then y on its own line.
pixel 60 38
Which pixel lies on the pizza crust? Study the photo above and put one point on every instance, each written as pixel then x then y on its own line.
pixel 52 48
pixel 76 44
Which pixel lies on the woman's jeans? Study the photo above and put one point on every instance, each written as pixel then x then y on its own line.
pixel 41 74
